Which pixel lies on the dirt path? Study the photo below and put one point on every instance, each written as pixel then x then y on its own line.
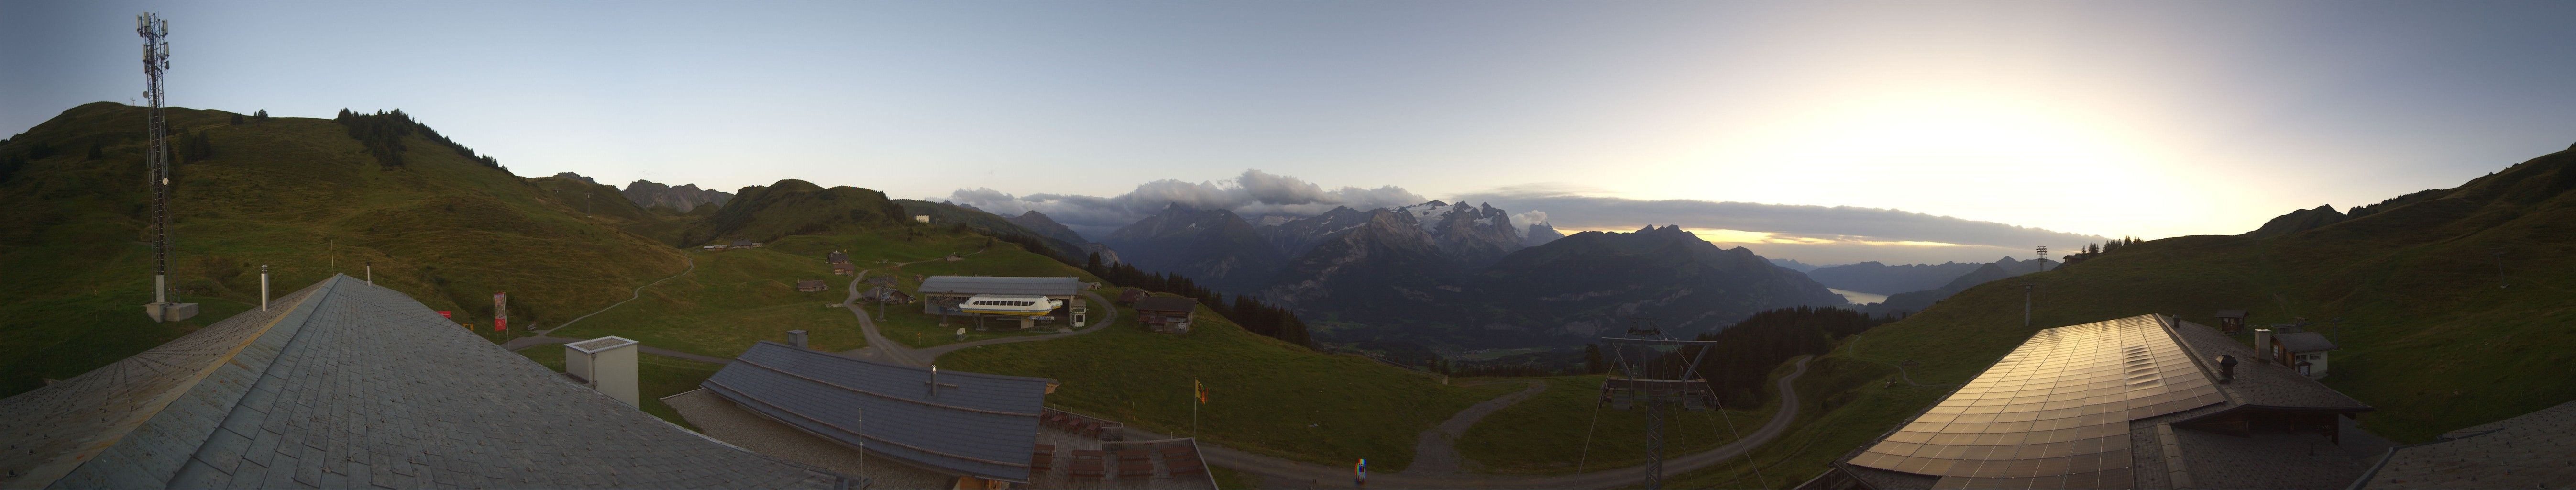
pixel 540 338
pixel 1436 451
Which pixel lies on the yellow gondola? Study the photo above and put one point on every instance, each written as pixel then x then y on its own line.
pixel 1001 304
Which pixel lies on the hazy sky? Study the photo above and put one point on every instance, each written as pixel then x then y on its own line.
pixel 2096 118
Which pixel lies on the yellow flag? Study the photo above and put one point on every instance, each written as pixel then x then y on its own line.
pixel 1200 389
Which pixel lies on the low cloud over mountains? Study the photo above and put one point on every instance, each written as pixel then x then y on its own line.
pixel 1254 193
pixel 1818 234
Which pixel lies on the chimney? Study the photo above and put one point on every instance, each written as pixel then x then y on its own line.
pixel 2263 343
pixel 2226 369
pixel 606 364
pixel 796 338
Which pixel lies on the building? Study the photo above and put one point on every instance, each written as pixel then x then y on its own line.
pixel 885 294
pixel 1170 314
pixel 941 294
pixel 2304 352
pixel 811 285
pixel 351 385
pixel 1130 295
pixel 977 427
pixel 2141 402
pixel 2231 321
pixel 2527 451
pixel 836 257
pixel 844 268
pixel 745 244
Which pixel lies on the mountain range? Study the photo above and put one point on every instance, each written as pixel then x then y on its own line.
pixel 1462 275
pixel 1877 278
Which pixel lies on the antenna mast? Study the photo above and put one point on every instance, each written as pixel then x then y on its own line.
pixel 156 158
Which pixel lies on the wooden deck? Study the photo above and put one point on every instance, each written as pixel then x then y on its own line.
pixel 1083 461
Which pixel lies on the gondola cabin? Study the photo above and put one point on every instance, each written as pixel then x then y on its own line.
pixel 1014 305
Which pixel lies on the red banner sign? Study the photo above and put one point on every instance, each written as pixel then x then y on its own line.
pixel 446 314
pixel 500 311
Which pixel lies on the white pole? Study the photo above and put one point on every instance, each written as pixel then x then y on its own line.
pixel 263 287
pixel 371 274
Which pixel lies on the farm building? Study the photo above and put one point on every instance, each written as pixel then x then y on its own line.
pixel 844 268
pixel 1168 314
pixel 2231 321
pixel 2304 352
pixel 1129 296
pixel 811 285
pixel 836 256
pixel 2140 402
pixel 745 244
pixel 356 386
pixel 886 294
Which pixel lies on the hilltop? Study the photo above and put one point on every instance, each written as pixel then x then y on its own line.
pixel 305 196
pixel 2428 335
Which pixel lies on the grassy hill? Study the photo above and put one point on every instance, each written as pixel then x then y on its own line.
pixel 2428 336
pixel 794 207
pixel 299 194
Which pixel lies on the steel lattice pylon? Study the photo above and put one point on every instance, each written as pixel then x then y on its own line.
pixel 1636 378
pixel 156 152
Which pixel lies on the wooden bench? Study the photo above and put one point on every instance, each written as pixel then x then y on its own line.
pixel 1135 463
pixel 1089 464
pixel 1042 459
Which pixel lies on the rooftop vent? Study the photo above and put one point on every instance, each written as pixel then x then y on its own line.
pixel 2226 369
pixel 606 364
pixel 796 338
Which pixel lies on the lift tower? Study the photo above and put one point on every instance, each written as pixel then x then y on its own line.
pixel 156 158
pixel 1644 364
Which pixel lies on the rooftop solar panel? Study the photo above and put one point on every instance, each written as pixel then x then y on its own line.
pixel 2054 413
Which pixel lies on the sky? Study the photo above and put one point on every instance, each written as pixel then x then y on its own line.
pixel 2088 119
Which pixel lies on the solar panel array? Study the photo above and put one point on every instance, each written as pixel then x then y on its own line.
pixel 2053 414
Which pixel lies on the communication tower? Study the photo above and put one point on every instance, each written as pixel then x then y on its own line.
pixel 156 158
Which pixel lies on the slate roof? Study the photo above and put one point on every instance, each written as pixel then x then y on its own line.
pixel 2305 342
pixel 2534 450
pixel 1166 303
pixel 980 425
pixel 1037 286
pixel 349 385
pixel 2209 460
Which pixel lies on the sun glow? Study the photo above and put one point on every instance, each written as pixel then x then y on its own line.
pixel 2027 160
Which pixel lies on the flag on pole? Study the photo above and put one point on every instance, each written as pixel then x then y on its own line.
pixel 1199 389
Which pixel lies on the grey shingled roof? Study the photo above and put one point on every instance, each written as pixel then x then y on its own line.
pixel 2261 383
pixel 1166 303
pixel 2305 342
pixel 1039 286
pixel 350 385
pixel 983 426
pixel 2533 450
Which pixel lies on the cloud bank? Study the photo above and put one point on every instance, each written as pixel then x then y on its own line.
pixel 1837 223
pixel 1251 194
pixel 1816 234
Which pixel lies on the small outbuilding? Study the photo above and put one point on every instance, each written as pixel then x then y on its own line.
pixel 744 244
pixel 1130 296
pixel 886 294
pixel 2304 352
pixel 844 268
pixel 1168 314
pixel 811 285
pixel 836 256
pixel 2231 321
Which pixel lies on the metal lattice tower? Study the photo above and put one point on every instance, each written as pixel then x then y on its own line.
pixel 156 152
pixel 1646 338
